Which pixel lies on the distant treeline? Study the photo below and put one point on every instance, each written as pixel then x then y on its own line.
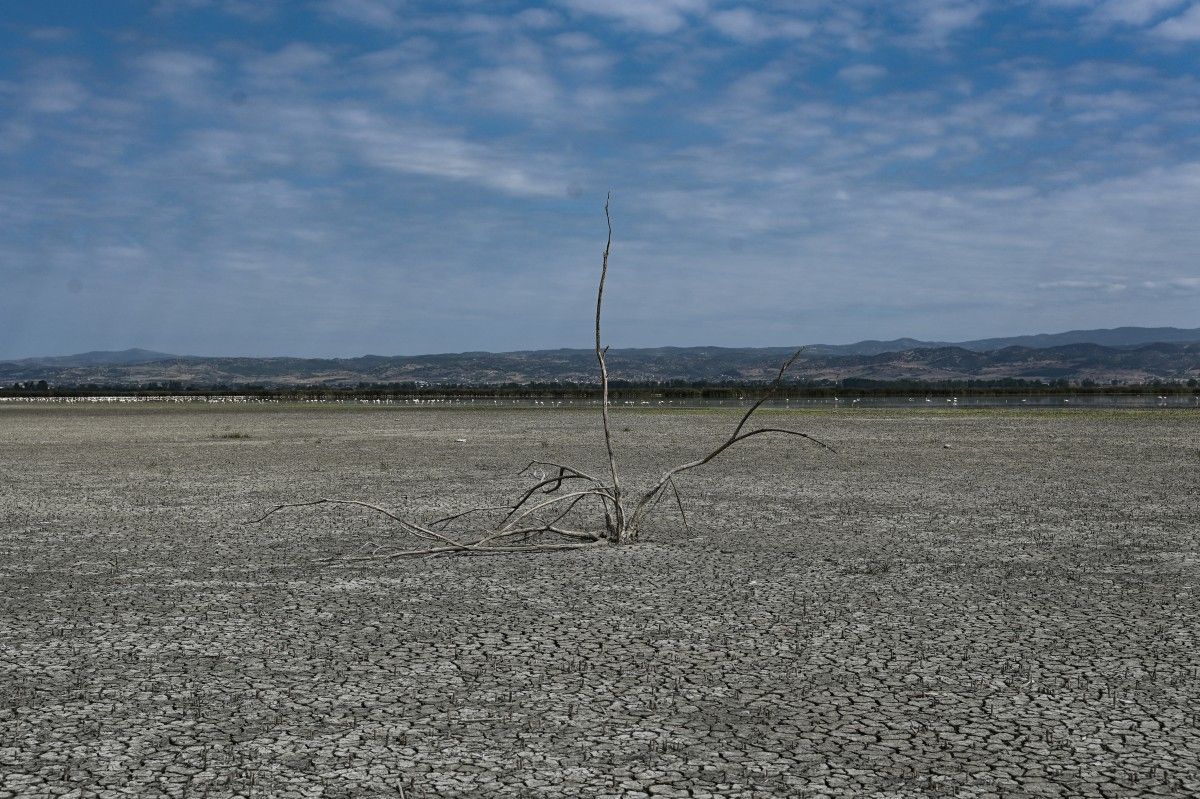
pixel 618 389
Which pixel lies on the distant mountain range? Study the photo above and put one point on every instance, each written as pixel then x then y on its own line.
pixel 1127 354
pixel 1113 337
pixel 100 358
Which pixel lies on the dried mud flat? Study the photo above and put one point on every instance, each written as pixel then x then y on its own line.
pixel 1013 614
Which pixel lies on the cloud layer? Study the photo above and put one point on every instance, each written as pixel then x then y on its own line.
pixel 334 178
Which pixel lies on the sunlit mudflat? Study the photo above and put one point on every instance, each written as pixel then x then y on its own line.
pixel 966 602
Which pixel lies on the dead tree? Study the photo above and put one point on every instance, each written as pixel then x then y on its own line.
pixel 551 514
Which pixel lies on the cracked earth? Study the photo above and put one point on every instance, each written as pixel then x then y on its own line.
pixel 958 603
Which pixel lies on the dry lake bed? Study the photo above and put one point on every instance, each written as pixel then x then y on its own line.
pixel 975 603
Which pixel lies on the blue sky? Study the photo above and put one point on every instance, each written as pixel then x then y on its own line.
pixel 338 177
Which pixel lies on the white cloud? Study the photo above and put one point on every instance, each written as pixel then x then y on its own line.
pixel 516 91
pixel 647 16
pixel 940 19
pixel 1106 286
pixel 55 94
pixel 292 59
pixel 51 34
pixel 14 136
pixel 1106 106
pixel 575 41
pixel 1132 12
pixel 251 10
pixel 1173 286
pixel 387 144
pixel 849 27
pixel 372 13
pixel 1183 28
pixel 748 26
pixel 182 76
pixel 415 83
pixel 538 18
pixel 167 7
pixel 861 73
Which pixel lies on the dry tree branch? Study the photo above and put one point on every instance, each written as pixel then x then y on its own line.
pixel 546 486
pixel 468 512
pixel 418 530
pixel 463 550
pixel 524 518
pixel 616 521
pixel 575 495
pixel 649 500
pixel 565 512
pixel 679 503
pixel 770 392
pixel 566 470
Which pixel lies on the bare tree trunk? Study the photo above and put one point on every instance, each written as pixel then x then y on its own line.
pixel 614 518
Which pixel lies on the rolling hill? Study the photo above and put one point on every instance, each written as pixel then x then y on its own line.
pixel 1120 361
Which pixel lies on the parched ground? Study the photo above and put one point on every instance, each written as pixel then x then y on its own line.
pixel 959 603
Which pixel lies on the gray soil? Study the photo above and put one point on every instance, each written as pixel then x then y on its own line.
pixel 957 603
